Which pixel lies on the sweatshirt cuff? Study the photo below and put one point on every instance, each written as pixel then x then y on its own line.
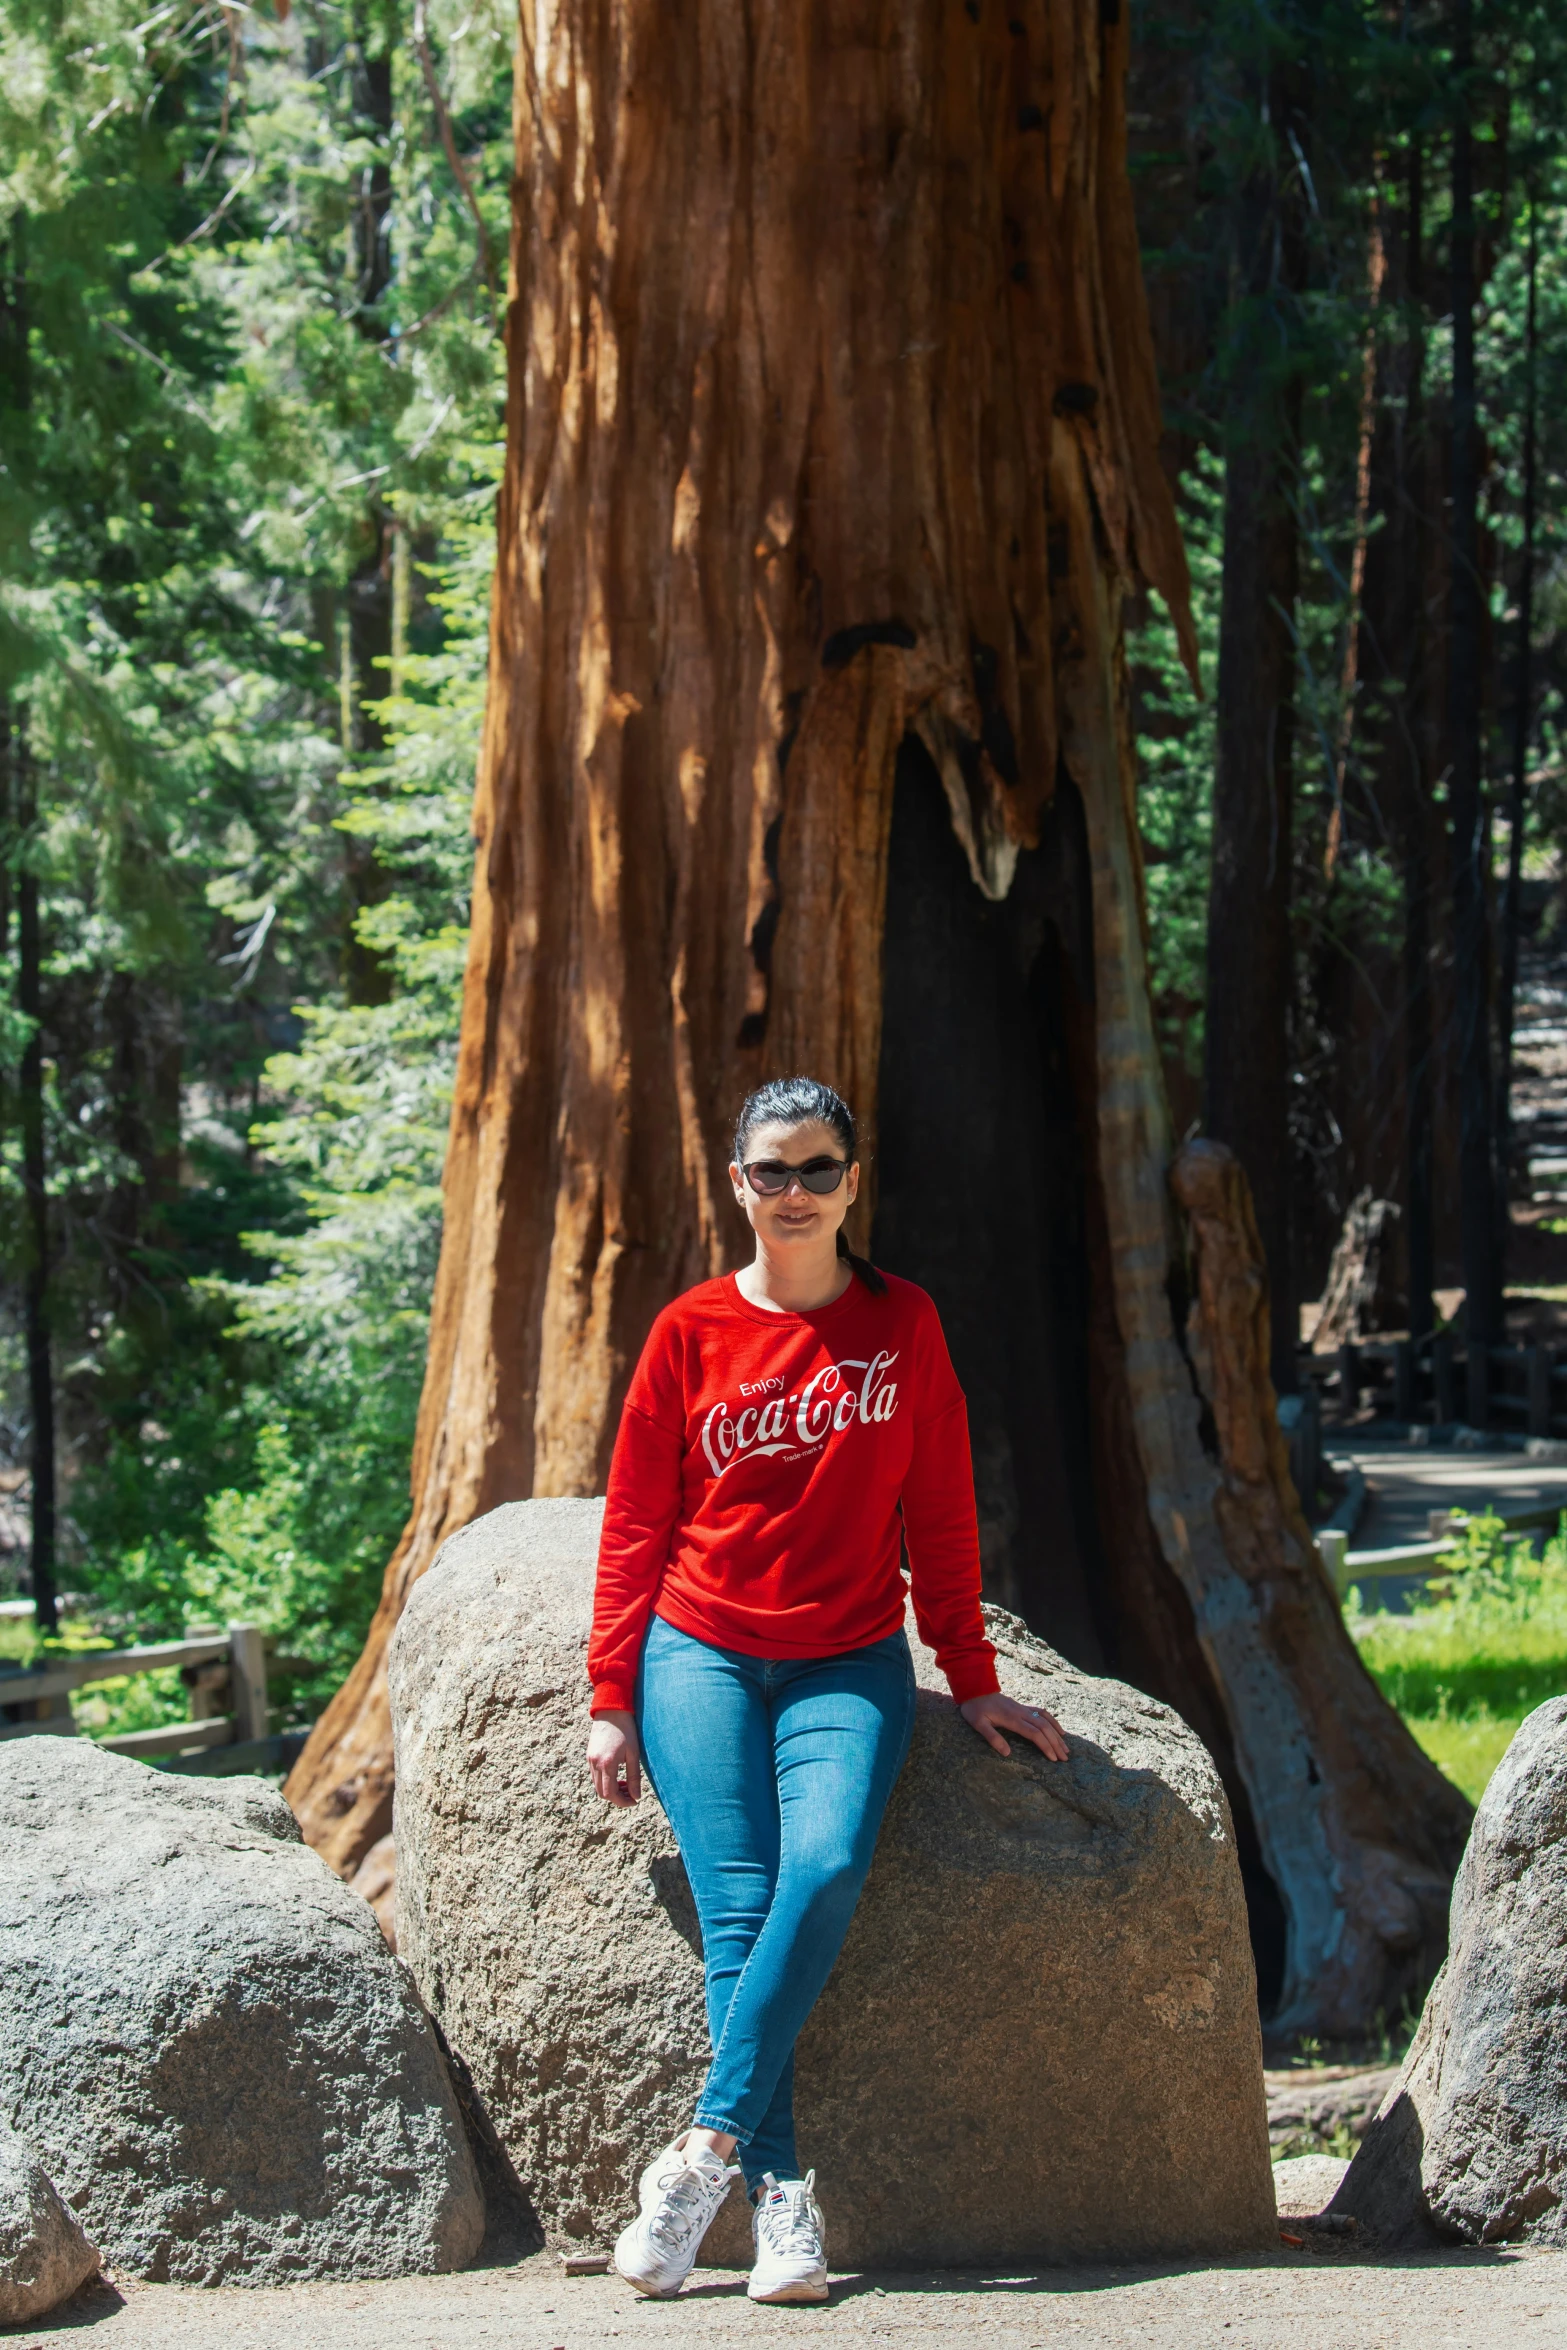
pixel 972 1676
pixel 613 1697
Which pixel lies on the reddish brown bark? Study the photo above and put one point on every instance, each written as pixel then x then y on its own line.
pixel 833 450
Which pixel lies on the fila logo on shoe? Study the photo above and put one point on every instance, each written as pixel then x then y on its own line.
pixel 828 1403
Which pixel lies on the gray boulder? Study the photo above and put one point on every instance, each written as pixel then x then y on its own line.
pixel 1471 2141
pixel 1306 2183
pixel 1041 2040
pixel 44 2256
pixel 203 2034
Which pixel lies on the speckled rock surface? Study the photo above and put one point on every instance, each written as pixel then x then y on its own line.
pixel 1041 2039
pixel 205 2039
pixel 44 2254
pixel 1471 2142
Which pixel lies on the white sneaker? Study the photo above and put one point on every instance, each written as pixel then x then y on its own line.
pixel 791 2244
pixel 680 2197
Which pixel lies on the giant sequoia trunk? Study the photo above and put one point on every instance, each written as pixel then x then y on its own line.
pixel 833 446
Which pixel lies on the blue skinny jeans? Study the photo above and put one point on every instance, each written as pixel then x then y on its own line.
pixel 774 1774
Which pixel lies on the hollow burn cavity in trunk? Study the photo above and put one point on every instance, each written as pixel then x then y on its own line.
pixel 980 1194
pixel 984 1198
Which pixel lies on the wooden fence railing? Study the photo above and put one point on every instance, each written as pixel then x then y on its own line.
pixel 1445 1382
pixel 224 1671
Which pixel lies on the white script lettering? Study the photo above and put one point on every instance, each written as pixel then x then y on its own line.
pixel 827 1405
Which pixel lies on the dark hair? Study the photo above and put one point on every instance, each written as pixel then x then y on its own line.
pixel 797 1101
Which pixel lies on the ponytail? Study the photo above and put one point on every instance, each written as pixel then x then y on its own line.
pixel 863 1266
pixel 793 1101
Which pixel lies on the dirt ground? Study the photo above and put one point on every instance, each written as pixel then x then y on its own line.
pixel 1329 2300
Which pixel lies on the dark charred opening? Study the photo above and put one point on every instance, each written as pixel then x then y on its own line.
pixel 980 1186
pixel 988 1196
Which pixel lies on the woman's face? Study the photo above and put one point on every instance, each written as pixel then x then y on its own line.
pixel 795 1217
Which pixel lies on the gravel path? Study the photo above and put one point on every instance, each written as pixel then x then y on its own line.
pixel 1330 2300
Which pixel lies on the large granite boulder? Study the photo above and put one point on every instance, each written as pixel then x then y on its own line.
pixel 1040 2042
pixel 44 2255
pixel 1471 2141
pixel 203 2035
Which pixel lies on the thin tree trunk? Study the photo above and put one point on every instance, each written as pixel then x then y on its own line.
pixel 1419 1142
pixel 1249 957
pixel 14 397
pixel 35 1194
pixel 21 796
pixel 1412 786
pixel 1376 271
pixel 833 448
pixel 1249 952
pixel 1523 693
pixel 1395 713
pixel 366 608
pixel 1479 1224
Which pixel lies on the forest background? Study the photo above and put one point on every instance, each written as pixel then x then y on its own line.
pixel 251 410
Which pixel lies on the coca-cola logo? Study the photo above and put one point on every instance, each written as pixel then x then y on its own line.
pixel 829 1402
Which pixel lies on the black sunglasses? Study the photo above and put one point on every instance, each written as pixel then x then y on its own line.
pixel 769 1177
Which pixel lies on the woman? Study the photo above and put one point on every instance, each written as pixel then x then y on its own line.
pixel 787 1428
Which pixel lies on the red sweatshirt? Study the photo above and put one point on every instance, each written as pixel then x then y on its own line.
pixel 767 1465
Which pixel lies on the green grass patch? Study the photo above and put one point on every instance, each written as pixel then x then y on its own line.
pixel 1468 1751
pixel 1479 1650
pixel 1460 1672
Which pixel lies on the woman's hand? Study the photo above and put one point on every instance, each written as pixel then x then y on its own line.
pixel 612 1745
pixel 995 1713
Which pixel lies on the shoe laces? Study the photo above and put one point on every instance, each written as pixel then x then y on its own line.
pixel 685 2201
pixel 792 2226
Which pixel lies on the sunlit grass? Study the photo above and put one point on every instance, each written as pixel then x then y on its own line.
pixel 1482 1649
pixel 1468 1751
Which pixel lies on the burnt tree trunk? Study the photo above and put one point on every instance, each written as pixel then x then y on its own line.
pixel 1383 1866
pixel 833 447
